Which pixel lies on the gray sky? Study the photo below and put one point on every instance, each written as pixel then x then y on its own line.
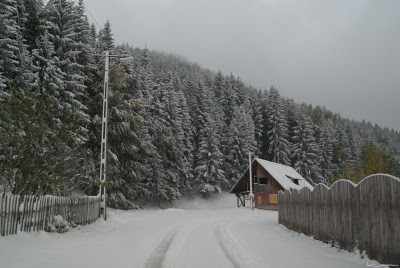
pixel 341 54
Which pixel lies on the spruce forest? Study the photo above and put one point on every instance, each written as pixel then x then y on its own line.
pixel 175 128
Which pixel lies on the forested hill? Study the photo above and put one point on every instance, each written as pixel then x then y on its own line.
pixel 175 129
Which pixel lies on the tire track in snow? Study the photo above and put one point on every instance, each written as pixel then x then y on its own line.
pixel 231 248
pixel 220 239
pixel 157 257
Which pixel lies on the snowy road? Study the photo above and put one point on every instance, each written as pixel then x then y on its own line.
pixel 200 237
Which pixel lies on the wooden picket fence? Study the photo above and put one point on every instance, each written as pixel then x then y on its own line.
pixel 365 216
pixel 33 213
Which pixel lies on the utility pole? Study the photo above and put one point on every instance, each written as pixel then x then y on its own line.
pixel 104 135
pixel 103 154
pixel 251 195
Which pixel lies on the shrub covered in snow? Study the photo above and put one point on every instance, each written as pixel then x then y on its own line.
pixel 58 225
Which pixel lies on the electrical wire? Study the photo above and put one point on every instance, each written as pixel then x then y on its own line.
pixel 90 14
pixel 46 2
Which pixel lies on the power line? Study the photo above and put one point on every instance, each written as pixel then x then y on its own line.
pixel 46 2
pixel 90 14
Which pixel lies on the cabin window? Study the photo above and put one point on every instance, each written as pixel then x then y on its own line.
pixel 263 180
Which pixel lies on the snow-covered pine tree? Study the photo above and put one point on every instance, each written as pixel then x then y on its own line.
pixel 228 99
pixel 248 127
pixel 50 77
pixel 355 144
pixel 200 113
pixel 61 26
pixel 257 118
pixel 293 111
pixel 94 37
pixel 161 182
pixel 33 28
pixel 85 46
pixel 125 144
pixel 106 38
pixel 182 132
pixel 92 72
pixel 209 177
pixel 342 150
pixel 264 142
pixel 168 144
pixel 220 104
pixel 36 156
pixel 240 143
pixel 241 92
pixel 15 60
pixel 277 129
pixel 162 161
pixel 304 149
pixel 218 85
pixel 325 154
pixel 93 69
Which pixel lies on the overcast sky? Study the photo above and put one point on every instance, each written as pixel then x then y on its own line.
pixel 344 55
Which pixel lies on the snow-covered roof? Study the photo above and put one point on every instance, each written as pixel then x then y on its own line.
pixel 284 175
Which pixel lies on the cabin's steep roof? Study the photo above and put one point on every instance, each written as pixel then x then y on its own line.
pixel 284 175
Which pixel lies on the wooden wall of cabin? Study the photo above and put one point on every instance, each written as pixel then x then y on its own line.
pixel 273 185
pixel 266 200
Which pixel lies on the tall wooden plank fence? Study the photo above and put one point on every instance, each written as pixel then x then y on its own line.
pixel 33 213
pixel 364 216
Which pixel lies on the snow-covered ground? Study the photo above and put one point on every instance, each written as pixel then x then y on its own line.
pixel 196 233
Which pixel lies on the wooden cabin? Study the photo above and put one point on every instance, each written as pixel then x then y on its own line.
pixel 268 179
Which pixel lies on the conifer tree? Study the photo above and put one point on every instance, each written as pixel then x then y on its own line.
pixel 182 132
pixel 209 177
pixel 33 27
pixel 325 154
pixel 84 41
pixel 277 129
pixel 106 39
pixel 35 152
pixel 218 85
pixel 304 149
pixel 61 27
pixel 240 143
pixel 257 118
pixel 227 101
pixel 49 75
pixel 125 145
pixel 342 150
pixel 15 61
